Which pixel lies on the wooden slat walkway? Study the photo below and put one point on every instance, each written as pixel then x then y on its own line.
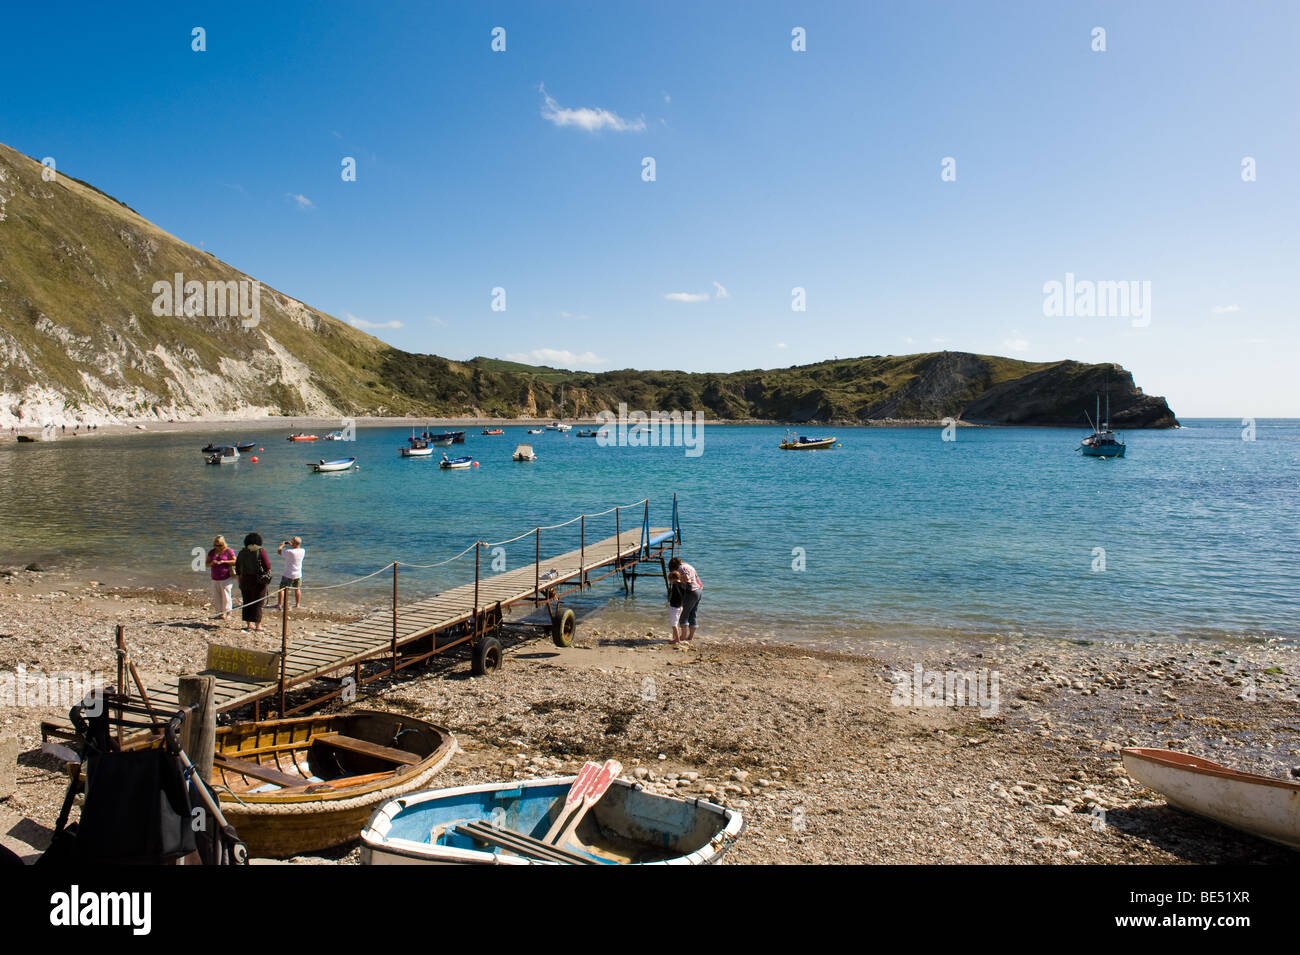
pixel 372 637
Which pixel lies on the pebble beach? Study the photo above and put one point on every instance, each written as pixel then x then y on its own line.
pixel 812 745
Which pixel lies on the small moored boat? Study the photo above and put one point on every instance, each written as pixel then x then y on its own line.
pixel 800 443
pixel 524 452
pixel 245 448
pixel 535 430
pixel 1260 805
pixel 226 455
pixel 454 464
pixel 307 784
pixel 342 464
pixel 627 826
pixel 303 436
pixel 492 431
pixel 591 433
pixel 1102 443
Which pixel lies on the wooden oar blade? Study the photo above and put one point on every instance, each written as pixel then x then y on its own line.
pixel 572 799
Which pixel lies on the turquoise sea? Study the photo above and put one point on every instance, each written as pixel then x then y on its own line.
pixel 901 533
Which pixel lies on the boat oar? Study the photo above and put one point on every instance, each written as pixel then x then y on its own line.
pixel 572 799
pixel 604 779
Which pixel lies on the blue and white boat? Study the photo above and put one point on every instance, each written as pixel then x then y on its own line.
pixel 323 466
pixel 1102 443
pixel 454 464
pixel 627 826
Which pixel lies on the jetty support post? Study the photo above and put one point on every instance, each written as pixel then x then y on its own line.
pixel 199 731
pixel 284 646
pixel 582 552
pixel 477 545
pixel 537 569
pixel 645 522
pixel 394 647
pixel 121 676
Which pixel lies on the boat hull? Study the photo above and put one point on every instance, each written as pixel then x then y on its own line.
pixel 628 826
pixel 821 445
pixel 329 466
pixel 1110 452
pixel 279 823
pixel 1260 805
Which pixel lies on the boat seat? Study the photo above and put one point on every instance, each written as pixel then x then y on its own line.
pixel 365 748
pixel 256 771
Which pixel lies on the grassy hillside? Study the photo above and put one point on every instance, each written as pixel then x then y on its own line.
pixel 79 339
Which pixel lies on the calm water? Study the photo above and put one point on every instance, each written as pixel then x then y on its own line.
pixel 901 532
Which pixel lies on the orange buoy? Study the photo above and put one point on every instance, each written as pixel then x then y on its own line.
pixel 261 449
pixel 475 464
pixel 253 459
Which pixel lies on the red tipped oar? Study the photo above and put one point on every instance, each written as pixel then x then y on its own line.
pixel 604 779
pixel 573 799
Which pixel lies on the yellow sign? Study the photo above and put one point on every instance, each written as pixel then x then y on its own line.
pixel 259 666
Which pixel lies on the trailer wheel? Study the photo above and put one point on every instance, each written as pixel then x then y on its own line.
pixel 487 657
pixel 563 628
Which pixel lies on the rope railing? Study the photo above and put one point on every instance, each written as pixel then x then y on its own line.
pixel 283 592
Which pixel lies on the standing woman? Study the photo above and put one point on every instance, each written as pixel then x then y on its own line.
pixel 220 561
pixel 254 570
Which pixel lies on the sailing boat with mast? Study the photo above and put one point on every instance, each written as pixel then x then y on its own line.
pixel 1102 443
pixel 560 425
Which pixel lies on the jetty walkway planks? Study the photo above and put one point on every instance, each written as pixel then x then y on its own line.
pixel 460 614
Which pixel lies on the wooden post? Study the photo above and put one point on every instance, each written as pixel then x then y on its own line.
pixel 537 568
pixel 582 552
pixel 394 616
pixel 199 731
pixel 284 645
pixel 121 675
pixel 476 563
pixel 618 543
pixel 647 527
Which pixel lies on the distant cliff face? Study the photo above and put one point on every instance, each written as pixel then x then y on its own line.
pixel 104 316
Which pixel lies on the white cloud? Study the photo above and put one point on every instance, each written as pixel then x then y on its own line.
pixel 580 318
pixel 782 345
pixel 667 98
pixel 940 340
pixel 440 322
pixel 1224 309
pixel 588 118
pixel 687 297
pixel 1015 344
pixel 557 358
pixel 367 326
pixel 719 291
pixel 302 201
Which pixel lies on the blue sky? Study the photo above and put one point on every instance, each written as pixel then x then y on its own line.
pixel 775 169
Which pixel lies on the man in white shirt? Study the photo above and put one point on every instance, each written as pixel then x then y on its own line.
pixel 293 553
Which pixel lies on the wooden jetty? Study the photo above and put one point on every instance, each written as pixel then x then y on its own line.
pixel 343 659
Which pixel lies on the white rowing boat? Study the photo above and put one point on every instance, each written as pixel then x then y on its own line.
pixel 1260 805
pixel 342 464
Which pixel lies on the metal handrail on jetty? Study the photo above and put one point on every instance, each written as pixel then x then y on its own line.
pixel 345 658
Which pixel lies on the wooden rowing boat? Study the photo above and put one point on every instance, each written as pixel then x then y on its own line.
pixel 306 784
pixel 627 826
pixel 1260 805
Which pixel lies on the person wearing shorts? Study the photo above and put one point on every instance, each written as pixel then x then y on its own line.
pixel 691 598
pixel 293 553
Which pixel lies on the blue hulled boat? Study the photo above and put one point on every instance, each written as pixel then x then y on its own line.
pixel 627 826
